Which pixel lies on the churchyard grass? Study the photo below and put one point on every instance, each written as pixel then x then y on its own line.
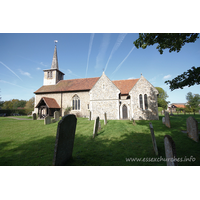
pixel 30 142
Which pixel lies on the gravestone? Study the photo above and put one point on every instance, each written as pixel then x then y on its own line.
pixel 64 140
pixel 192 128
pixel 163 120
pixel 99 126
pixel 53 120
pixel 105 118
pixel 65 112
pixel 96 127
pixel 153 138
pixel 167 120
pixel 47 120
pixel 34 116
pixel 90 115
pixel 170 151
pixel 56 115
pixel 134 124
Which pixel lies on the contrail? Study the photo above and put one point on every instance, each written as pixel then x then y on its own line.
pixel 90 47
pixel 102 51
pixel 116 46
pixel 2 81
pixel 10 70
pixel 123 61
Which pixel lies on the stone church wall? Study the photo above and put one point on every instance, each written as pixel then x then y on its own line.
pixel 144 87
pixel 104 97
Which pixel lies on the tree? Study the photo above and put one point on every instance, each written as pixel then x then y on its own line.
pixel 30 104
pixel 193 101
pixel 162 98
pixel 173 42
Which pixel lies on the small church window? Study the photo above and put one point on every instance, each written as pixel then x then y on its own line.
pixel 141 102
pixel 49 74
pixel 76 102
pixel 145 102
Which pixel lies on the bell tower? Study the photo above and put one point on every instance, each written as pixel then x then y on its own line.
pixel 54 75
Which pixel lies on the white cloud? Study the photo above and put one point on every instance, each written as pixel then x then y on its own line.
pixel 167 76
pixel 38 68
pixel 131 78
pixel 25 73
pixel 41 63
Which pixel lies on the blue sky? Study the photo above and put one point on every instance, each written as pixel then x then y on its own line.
pixel 24 56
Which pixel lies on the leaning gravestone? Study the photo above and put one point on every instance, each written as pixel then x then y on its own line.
pixel 170 151
pixel 34 116
pixel 64 140
pixel 96 127
pixel 47 120
pixel 90 115
pixel 167 120
pixel 56 115
pixel 99 126
pixel 163 120
pixel 153 138
pixel 192 129
pixel 105 118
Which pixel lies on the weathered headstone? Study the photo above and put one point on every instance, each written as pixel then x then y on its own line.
pixel 99 126
pixel 65 112
pixel 163 120
pixel 47 120
pixel 153 138
pixel 105 118
pixel 34 116
pixel 90 116
pixel 134 124
pixel 53 120
pixel 192 128
pixel 64 140
pixel 96 127
pixel 170 151
pixel 56 115
pixel 167 120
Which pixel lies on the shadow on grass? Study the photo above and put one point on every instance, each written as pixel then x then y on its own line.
pixel 34 153
pixel 106 149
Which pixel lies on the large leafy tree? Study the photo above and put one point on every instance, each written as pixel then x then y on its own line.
pixel 162 98
pixel 30 103
pixel 193 101
pixel 173 42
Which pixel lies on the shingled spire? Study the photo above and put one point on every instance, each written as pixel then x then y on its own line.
pixel 54 64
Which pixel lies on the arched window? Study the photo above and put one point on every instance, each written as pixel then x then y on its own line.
pixel 76 102
pixel 141 102
pixel 145 102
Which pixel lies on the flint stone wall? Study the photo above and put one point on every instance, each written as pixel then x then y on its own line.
pixel 144 87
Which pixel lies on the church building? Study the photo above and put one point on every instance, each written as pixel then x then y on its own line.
pixel 121 99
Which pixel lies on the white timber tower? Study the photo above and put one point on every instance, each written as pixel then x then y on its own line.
pixel 54 75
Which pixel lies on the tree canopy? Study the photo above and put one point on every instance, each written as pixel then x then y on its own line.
pixel 173 42
pixel 193 101
pixel 162 98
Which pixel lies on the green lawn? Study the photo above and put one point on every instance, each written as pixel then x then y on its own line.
pixel 28 143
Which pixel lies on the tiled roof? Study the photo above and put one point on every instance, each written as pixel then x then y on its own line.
pixel 69 85
pixel 84 84
pixel 50 102
pixel 179 105
pixel 125 85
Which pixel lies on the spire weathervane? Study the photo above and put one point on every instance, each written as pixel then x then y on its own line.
pixel 55 41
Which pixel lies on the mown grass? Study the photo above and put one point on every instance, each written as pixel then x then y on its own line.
pixel 28 143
